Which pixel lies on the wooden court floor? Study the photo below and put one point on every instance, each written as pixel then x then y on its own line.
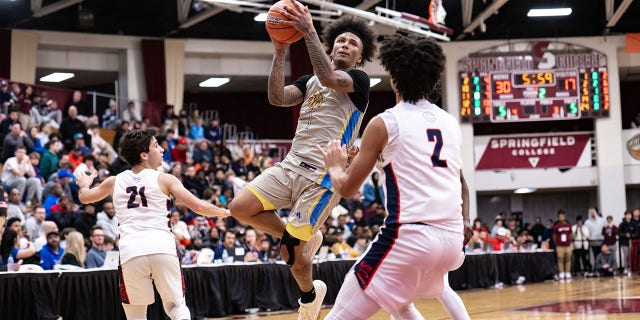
pixel 591 298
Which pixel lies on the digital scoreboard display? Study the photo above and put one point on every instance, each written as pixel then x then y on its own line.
pixel 533 81
pixel 558 94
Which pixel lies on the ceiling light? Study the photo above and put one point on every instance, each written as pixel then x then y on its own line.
pixel 57 77
pixel 261 17
pixel 213 82
pixel 525 190
pixel 374 81
pixel 552 12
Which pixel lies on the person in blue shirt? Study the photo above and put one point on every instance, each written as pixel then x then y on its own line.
pixel 96 255
pixel 51 254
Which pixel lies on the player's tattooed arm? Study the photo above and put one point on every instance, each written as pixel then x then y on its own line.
pixel 279 94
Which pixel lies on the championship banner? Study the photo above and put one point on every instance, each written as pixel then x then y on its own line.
pixel 533 151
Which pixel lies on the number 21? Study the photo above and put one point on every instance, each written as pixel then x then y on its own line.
pixel 436 135
pixel 134 191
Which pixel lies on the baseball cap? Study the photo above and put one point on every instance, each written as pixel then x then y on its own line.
pixel 64 173
pixel 502 232
pixel 78 136
pixel 53 233
pixel 182 140
pixel 4 83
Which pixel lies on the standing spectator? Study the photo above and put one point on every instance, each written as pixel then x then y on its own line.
pixel 108 221
pixel 537 231
pixel 610 234
pixel 605 262
pixel 581 247
pixel 595 223
pixel 70 126
pixel 562 239
pixel 74 252
pixel 96 255
pixel 51 254
pixel 626 231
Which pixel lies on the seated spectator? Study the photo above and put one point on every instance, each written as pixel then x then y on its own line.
pixel 44 135
pixel 38 146
pixel 229 251
pixel 109 244
pixel 373 191
pixel 86 220
pixel 110 116
pixel 202 152
pixel 341 248
pixel 212 241
pixel 196 131
pixel 52 198
pixel 41 241
pixel 35 223
pixel 97 253
pixel 179 229
pixel 75 157
pixel 51 254
pixel 502 240
pixel 74 252
pixel 83 109
pixel 99 145
pixel 605 262
pixel 193 182
pixel 49 160
pixel 7 123
pixel 212 131
pixel 63 213
pixel 16 138
pixel 179 153
pixel 70 126
pixel 46 114
pixel 81 143
pixel 18 172
pixel 120 131
pixel 251 246
pixel 129 114
pixel 10 247
pixel 15 208
pixel 87 165
pixel 108 220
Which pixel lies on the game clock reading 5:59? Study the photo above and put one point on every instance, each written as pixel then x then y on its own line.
pixel 537 78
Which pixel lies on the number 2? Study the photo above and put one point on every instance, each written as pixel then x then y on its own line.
pixel 436 135
pixel 134 191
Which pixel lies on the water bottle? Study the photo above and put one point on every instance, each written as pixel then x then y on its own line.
pixel 10 264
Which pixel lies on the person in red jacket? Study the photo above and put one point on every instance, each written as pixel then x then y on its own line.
pixel 564 249
pixel 179 153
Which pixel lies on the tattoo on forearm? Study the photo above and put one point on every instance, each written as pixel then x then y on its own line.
pixel 321 63
pixel 276 80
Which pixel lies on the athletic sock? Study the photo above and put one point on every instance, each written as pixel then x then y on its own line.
pixel 309 296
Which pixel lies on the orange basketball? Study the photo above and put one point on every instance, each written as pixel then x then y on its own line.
pixel 279 31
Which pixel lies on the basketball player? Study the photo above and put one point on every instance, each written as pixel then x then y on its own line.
pixel 148 252
pixel 334 100
pixel 420 147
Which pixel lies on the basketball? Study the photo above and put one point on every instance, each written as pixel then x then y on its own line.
pixel 279 31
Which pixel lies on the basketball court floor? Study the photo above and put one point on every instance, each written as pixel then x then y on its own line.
pixel 585 299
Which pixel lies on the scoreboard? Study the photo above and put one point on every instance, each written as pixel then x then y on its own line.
pixel 497 89
pixel 534 95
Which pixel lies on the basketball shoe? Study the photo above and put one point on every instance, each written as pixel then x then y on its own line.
pixel 311 310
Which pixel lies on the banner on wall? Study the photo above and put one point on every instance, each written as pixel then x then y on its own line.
pixel 533 151
pixel 631 146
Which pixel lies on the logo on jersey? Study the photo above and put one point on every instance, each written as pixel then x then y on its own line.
pixel 429 116
pixel 312 102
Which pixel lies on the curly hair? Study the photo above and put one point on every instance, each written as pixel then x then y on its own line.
pixel 357 26
pixel 135 142
pixel 415 64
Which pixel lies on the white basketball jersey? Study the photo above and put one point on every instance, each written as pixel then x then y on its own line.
pixel 422 162
pixel 142 210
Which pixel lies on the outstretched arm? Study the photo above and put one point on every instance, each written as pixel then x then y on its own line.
pixel 347 181
pixel 171 185
pixel 86 195
pixel 300 17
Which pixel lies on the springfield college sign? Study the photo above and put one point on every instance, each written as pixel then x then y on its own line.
pixel 533 151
